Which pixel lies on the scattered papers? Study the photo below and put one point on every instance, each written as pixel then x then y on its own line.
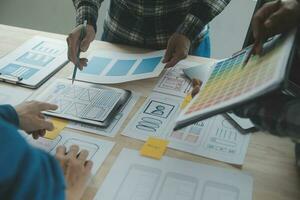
pixel 214 138
pixel 34 61
pixel 59 125
pixel 154 148
pixel 13 95
pixel 98 149
pixel 108 67
pixel 136 177
pixel 114 126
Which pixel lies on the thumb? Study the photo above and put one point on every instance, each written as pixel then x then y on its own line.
pixel 168 54
pixel 44 124
pixel 85 44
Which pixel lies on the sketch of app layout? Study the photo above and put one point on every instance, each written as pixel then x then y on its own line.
pixel 174 81
pixel 114 126
pixel 214 138
pixel 155 117
pixel 98 149
pixel 169 179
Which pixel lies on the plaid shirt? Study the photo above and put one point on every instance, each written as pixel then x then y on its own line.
pixel 150 23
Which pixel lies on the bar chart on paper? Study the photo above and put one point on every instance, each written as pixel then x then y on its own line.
pixel 111 67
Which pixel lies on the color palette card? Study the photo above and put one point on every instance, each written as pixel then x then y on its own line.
pixel 108 67
pixel 230 82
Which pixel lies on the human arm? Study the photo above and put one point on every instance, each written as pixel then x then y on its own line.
pixel 85 10
pixel 200 14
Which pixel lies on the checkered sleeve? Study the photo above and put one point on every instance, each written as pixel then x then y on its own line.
pixel 201 13
pixel 87 10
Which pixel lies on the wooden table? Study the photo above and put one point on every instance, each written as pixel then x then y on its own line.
pixel 270 160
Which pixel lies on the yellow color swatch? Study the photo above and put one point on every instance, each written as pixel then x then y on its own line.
pixel 154 148
pixel 59 125
pixel 186 101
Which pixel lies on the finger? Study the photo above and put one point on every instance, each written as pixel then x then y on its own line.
pixel 82 63
pixel 172 62
pixel 85 44
pixel 73 151
pixel 72 41
pixel 44 124
pixel 275 23
pixel 83 155
pixel 42 133
pixel 35 135
pixel 42 106
pixel 168 54
pixel 61 150
pixel 88 165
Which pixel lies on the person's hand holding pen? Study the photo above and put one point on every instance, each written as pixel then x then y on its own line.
pixel 273 18
pixel 74 43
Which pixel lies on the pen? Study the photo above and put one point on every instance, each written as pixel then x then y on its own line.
pixel 82 34
pixel 249 54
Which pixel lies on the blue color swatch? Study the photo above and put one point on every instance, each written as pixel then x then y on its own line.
pixel 18 71
pixel 147 65
pixel 121 68
pixel 96 65
pixel 37 59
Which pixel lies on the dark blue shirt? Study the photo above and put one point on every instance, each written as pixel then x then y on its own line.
pixel 25 172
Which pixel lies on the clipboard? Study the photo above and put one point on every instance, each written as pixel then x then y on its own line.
pixel 34 62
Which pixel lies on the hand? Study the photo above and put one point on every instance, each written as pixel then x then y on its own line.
pixel 177 49
pixel 32 120
pixel 73 44
pixel 76 168
pixel 274 18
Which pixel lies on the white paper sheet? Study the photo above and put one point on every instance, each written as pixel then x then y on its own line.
pixel 108 67
pixel 213 138
pixel 174 81
pixel 134 177
pixel 35 60
pixel 98 149
pixel 13 95
pixel 115 125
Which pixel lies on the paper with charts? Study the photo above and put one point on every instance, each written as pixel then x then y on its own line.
pixel 98 149
pixel 109 67
pixel 213 138
pixel 34 61
pixel 11 94
pixel 115 124
pixel 134 177
pixel 81 102
pixel 230 82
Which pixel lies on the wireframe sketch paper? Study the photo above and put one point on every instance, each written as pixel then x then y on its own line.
pixel 82 102
pixel 114 126
pixel 34 61
pixel 108 67
pixel 230 82
pixel 98 149
pixel 10 94
pixel 135 177
pixel 174 81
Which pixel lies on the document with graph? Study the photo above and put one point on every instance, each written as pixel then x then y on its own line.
pixel 231 83
pixel 34 62
pixel 84 102
pixel 134 177
pixel 109 67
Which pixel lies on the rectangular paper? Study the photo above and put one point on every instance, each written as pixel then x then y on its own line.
pixel 214 138
pixel 108 67
pixel 98 149
pixel 154 148
pixel 116 123
pixel 34 61
pixel 136 177
pixel 13 95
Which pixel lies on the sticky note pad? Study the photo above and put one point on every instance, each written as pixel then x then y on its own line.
pixel 186 101
pixel 154 148
pixel 59 125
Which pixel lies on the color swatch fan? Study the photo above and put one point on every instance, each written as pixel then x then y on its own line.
pixel 231 83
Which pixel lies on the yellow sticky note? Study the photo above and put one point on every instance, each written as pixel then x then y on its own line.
pixel 154 148
pixel 186 101
pixel 59 125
